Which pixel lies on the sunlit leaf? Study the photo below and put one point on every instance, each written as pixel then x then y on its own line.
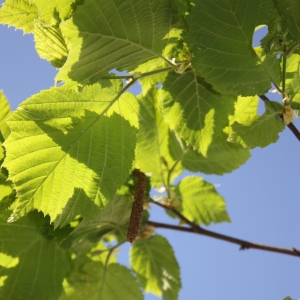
pixel 194 110
pixel 110 34
pixel 154 261
pixel 200 203
pixel 263 131
pixel 68 154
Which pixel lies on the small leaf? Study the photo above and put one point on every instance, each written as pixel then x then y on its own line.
pixel 200 203
pixel 5 111
pixel 263 131
pixel 33 264
pixel 154 261
pixel 50 44
pixel 18 13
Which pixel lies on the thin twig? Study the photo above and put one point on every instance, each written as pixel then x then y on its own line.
pixel 194 228
pixel 291 126
pixel 244 244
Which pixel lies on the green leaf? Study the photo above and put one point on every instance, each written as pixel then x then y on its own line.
pixel 32 265
pixel 48 9
pixel 293 80
pixel 98 44
pixel 7 194
pixel 18 13
pixel 222 157
pixel 194 110
pixel 220 35
pixel 5 111
pixel 290 10
pixel 113 219
pixel 263 131
pixel 68 153
pixel 50 44
pixel 200 203
pixel 152 152
pixel 96 281
pixel 154 261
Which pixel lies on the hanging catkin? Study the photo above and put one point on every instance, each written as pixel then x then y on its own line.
pixel 137 206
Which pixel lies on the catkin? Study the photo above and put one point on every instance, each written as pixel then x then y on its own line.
pixel 137 206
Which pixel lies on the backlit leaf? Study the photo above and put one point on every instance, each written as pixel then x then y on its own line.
pixel 68 154
pixel 108 34
pixel 194 110
pixel 154 261
pixel 200 203
pixel 263 131
pixel 220 36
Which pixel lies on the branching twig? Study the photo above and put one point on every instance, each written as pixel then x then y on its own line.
pixel 194 228
pixel 291 126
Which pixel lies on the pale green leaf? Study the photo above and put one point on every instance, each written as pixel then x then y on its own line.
pixel 7 194
pixel 220 36
pixel 293 80
pixel 95 281
pixel 245 110
pixel 200 203
pixel 65 155
pixel 47 9
pixel 108 34
pixel 194 110
pixel 32 266
pixel 154 261
pixel 152 152
pixel 50 44
pixel 5 111
pixel 113 219
pixel 18 13
pixel 263 131
pixel 222 157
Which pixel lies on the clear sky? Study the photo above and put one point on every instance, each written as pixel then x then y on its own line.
pixel 263 201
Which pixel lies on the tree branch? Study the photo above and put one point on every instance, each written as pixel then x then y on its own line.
pixel 194 228
pixel 291 126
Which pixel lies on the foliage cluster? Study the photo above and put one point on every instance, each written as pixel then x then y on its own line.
pixel 68 154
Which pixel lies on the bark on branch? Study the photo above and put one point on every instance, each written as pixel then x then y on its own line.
pixel 194 228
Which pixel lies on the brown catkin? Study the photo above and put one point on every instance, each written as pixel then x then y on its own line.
pixel 137 206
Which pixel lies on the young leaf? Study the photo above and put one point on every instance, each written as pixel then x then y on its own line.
pixel 98 44
pixel 220 35
pixel 7 194
pixel 5 111
pixel 200 203
pixel 263 131
pixel 50 44
pixel 19 13
pixel 152 152
pixel 32 265
pixel 96 281
pixel 194 110
pixel 155 264
pixel 65 155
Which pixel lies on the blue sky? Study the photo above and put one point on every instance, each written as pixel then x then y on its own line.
pixel 262 196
